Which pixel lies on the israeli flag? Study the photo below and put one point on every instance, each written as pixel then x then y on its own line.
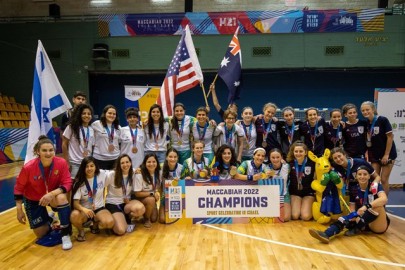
pixel 48 101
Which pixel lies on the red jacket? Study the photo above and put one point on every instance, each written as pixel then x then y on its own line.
pixel 30 182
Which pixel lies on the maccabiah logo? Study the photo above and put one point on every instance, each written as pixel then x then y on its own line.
pixel 134 93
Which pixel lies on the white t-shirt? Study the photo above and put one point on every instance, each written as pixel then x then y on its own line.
pixel 82 194
pixel 127 145
pixel 102 141
pixel 232 139
pixel 250 140
pixel 77 149
pixel 161 140
pixel 115 195
pixel 183 137
pixel 199 135
pixel 141 185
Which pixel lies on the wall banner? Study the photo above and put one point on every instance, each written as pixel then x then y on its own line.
pixel 141 97
pixel 390 103
pixel 250 22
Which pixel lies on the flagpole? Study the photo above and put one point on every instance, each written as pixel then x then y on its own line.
pixel 213 82
pixel 205 96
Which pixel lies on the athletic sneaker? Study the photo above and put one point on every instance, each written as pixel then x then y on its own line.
pixel 147 224
pixel 130 228
pixel 352 232
pixel 321 236
pixel 66 242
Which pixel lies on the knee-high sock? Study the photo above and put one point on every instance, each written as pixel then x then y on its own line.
pixel 369 216
pixel 336 227
pixel 64 216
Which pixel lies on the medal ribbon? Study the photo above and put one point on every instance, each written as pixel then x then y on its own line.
pixel 299 170
pixel 46 179
pixel 155 134
pixel 229 134
pixel 85 136
pixel 181 127
pixel 266 130
pixel 124 187
pixel 110 134
pixel 371 131
pixel 255 169
pixel 290 132
pixel 201 135
pixel 313 136
pixel 134 135
pixel 92 193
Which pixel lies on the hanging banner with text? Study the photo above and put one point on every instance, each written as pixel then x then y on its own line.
pixel 141 97
pixel 390 103
pixel 250 22
pixel 224 202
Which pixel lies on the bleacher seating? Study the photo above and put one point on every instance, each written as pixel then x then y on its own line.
pixel 12 99
pixel 1 124
pixel 4 115
pixel 9 107
pixel 18 116
pixel 21 124
pixel 14 124
pixel 13 114
pixel 15 108
pixel 2 106
pixel 26 108
pixel 7 124
pixel 5 99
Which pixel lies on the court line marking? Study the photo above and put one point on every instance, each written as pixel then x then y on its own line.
pixel 395 216
pixel 305 248
pixel 396 206
pixel 8 210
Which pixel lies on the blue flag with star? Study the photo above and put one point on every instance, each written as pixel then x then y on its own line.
pixel 231 68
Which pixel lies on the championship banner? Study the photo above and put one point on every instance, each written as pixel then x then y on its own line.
pixel 141 97
pixel 223 202
pixel 249 22
pixel 390 103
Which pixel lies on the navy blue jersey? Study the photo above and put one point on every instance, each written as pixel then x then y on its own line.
pixel 361 197
pixel 285 133
pixel 379 139
pixel 349 175
pixel 333 136
pixel 307 178
pixel 271 138
pixel 354 137
pixel 308 132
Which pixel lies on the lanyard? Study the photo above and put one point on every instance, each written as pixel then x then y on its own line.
pixel 299 170
pixel 290 132
pixel 313 136
pixel 92 193
pixel 173 173
pixel 266 130
pixel 200 166
pixel 124 186
pixel 110 134
pixel 255 169
pixel 277 172
pixel 134 135
pixel 46 179
pixel 155 134
pixel 86 136
pixel 371 131
pixel 229 134
pixel 201 135
pixel 338 136
pixel 181 127
pixel 349 167
pixel 247 134
pixel 364 201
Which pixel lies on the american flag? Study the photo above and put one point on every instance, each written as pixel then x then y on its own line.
pixel 184 73
pixel 231 68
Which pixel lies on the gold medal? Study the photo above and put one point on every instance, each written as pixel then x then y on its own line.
pixel 175 182
pixel 368 144
pixel 110 148
pixel 134 150
pixel 179 142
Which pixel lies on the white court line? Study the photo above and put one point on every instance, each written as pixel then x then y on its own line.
pixel 396 206
pixel 8 210
pixel 395 216
pixel 305 248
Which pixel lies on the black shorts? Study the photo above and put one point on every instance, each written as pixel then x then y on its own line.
pixel 99 209
pixel 115 208
pixel 105 164
pixel 37 214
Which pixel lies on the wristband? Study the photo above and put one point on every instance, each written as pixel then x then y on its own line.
pixel 250 177
pixel 368 206
pixel 152 193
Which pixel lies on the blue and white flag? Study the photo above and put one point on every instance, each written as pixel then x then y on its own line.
pixel 48 101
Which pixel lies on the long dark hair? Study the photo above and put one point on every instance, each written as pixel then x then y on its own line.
pixel 103 119
pixel 218 157
pixel 76 121
pixel 118 171
pixel 145 173
pixel 174 120
pixel 150 120
pixel 81 174
pixel 165 169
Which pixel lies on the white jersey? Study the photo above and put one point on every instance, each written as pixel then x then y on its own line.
pixel 102 141
pixel 250 136
pixel 76 149
pixel 157 142
pixel 181 140
pixel 229 138
pixel 127 144
pixel 204 134
pixel 116 195
pixel 141 185
pixel 82 194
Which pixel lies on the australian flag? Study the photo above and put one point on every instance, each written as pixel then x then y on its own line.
pixel 231 68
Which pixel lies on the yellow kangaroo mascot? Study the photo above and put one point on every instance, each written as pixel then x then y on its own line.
pixel 327 186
